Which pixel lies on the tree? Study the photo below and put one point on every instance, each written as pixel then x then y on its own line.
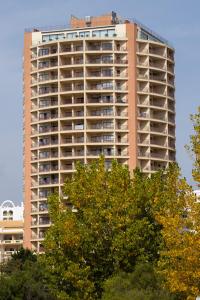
pixel 111 227
pixel 178 213
pixel 195 145
pixel 141 284
pixel 24 278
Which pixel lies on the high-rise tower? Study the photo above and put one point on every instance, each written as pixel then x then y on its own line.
pixel 102 86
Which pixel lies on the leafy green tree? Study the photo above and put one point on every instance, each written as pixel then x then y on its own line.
pixel 24 278
pixel 141 284
pixel 111 227
pixel 195 145
pixel 177 211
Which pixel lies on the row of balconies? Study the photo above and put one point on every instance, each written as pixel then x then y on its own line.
pixel 79 87
pixel 49 167
pixel 157 115
pixel 76 47
pixel 161 78
pixel 52 154
pixel 158 50
pixel 76 127
pixel 77 140
pixel 98 99
pixel 158 90
pixel 157 101
pixel 156 127
pixel 147 139
pixel 49 141
pixel 90 112
pixel 156 156
pixel 51 63
pixel 153 166
pixel 69 75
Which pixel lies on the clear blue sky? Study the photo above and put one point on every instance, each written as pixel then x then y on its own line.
pixel 176 20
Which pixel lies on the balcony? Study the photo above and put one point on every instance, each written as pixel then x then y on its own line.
pixel 70 62
pixel 47 181
pixel 70 48
pixel 46 103
pixel 70 127
pixel 98 152
pixel 48 90
pixel 47 168
pixel 44 129
pixel 46 155
pixel 106 99
pixel 47 116
pixel 101 126
pixel 101 139
pixel 100 47
pixel 121 61
pixel 159 156
pixel 72 88
pixel 143 115
pixel 158 143
pixel 47 78
pixel 100 61
pixel 47 64
pixel 44 221
pixel 100 74
pixel 159 117
pixel 43 52
pixel 70 76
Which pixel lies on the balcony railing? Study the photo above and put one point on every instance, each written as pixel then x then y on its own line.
pixel 49 52
pixel 47 103
pixel 48 181
pixel 48 129
pixel 72 88
pixel 47 65
pixel 47 116
pixel 100 100
pixel 48 91
pixel 71 49
pixel 100 61
pixel 100 139
pixel 48 78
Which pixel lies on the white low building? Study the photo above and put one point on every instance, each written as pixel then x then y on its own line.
pixel 11 229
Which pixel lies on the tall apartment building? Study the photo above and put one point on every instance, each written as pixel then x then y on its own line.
pixel 103 85
pixel 11 229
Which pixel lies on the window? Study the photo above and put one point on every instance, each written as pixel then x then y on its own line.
pixel 52 37
pixel 103 33
pixel 84 34
pixel 108 138
pixel 71 35
pixel 43 77
pixel 107 72
pixel 107 111
pixel 44 154
pixel 107 46
pixel 107 85
pixel 43 51
pixel 107 58
pixel 107 124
